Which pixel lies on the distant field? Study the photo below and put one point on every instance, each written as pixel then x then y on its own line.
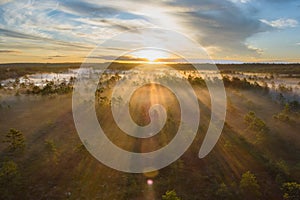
pixel 20 69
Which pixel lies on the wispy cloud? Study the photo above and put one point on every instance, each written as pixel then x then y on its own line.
pixel 18 35
pixel 88 9
pixel 221 24
pixel 215 24
pixel 257 50
pixel 9 33
pixel 120 58
pixel 57 56
pixel 9 51
pixel 281 23
pixel 4 1
pixel 240 1
pixel 66 27
pixel 115 23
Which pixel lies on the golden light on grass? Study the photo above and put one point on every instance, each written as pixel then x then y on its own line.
pixel 151 174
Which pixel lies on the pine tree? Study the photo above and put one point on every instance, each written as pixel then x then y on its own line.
pixel 170 195
pixel 249 186
pixel 15 140
pixel 291 191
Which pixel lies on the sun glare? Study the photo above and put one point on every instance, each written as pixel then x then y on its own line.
pixel 151 55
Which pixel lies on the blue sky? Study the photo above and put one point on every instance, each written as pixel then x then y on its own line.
pixel 66 31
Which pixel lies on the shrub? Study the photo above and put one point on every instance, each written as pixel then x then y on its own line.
pixel 255 123
pixel 9 180
pixel 51 151
pixel 15 140
pixel 224 192
pixel 8 171
pixel 249 186
pixel 283 115
pixel 291 191
pixel 170 195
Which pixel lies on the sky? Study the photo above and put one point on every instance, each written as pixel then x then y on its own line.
pixel 228 30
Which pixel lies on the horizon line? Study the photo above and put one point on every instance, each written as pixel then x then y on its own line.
pixel 172 63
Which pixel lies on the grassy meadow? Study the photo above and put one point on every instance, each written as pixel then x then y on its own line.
pixel 256 157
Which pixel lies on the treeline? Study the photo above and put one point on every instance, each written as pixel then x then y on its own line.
pixel 233 82
pixel 17 70
pixel 288 68
pixel 51 88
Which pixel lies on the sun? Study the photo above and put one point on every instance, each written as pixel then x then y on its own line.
pixel 152 55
